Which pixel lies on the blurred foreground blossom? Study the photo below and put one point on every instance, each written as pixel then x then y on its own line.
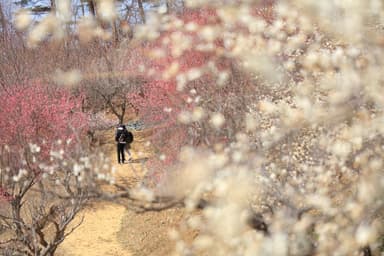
pixel 23 19
pixel 68 78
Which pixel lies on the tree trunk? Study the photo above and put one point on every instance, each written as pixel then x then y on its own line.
pixel 3 22
pixel 82 9
pixel 53 5
pixel 168 4
pixel 92 8
pixel 141 10
pixel 115 32
pixel 16 206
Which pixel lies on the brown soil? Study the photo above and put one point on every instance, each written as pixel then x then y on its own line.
pixel 112 229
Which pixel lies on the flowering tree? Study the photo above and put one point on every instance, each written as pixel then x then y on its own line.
pixel 41 178
pixel 273 111
pixel 282 100
pixel 39 114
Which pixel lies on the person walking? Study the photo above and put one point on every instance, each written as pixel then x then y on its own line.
pixel 123 138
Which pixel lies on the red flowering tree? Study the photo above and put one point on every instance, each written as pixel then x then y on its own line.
pixel 45 174
pixel 41 115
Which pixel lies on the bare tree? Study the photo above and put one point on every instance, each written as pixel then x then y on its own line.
pixel 39 201
pixel 109 86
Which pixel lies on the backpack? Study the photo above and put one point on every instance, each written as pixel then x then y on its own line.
pixel 122 139
pixel 129 138
pixel 125 137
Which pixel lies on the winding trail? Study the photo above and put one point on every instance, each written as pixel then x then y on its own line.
pixel 113 230
pixel 102 221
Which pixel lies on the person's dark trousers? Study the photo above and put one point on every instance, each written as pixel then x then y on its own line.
pixel 120 153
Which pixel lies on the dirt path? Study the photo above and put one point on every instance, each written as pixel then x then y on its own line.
pixel 112 229
pixel 98 233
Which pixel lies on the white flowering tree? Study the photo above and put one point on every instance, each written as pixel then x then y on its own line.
pixel 40 199
pixel 300 111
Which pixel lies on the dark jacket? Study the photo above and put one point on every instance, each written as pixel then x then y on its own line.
pixel 125 134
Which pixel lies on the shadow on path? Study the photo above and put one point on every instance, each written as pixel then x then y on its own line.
pixel 138 161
